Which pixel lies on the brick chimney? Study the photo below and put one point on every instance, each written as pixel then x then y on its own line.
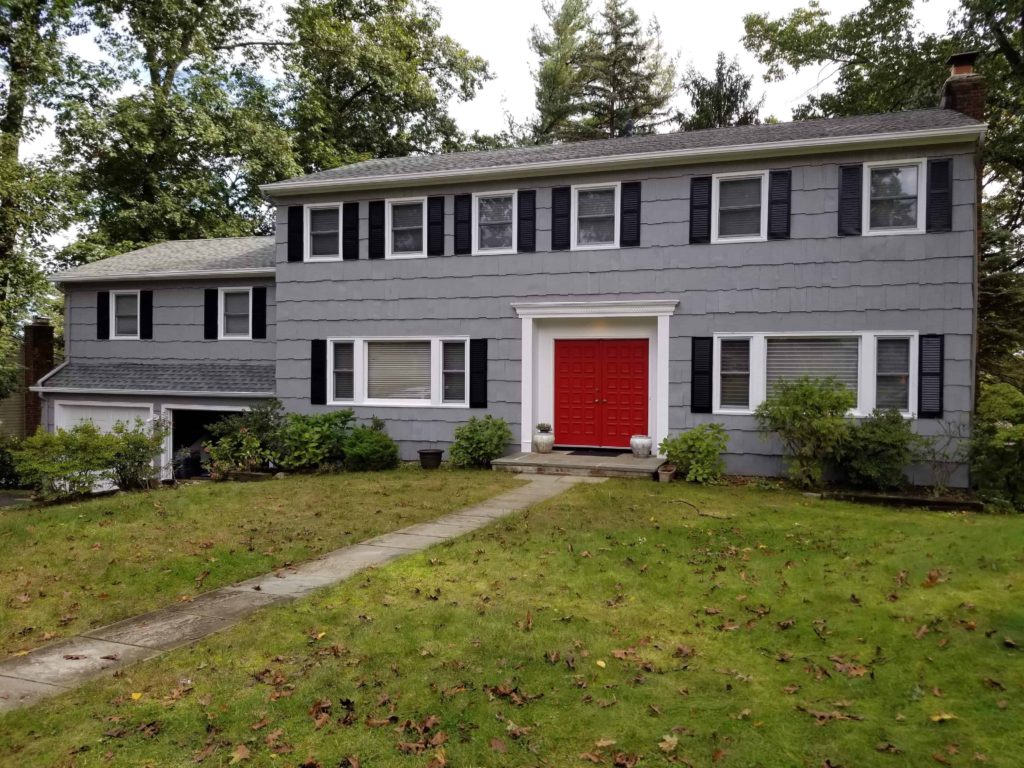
pixel 964 90
pixel 38 362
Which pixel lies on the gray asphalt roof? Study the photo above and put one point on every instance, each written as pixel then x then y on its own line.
pixel 892 122
pixel 257 379
pixel 211 255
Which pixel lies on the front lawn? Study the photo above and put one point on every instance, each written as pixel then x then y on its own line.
pixel 67 568
pixel 612 625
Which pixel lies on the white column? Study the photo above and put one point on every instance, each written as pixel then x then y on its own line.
pixel 661 389
pixel 526 373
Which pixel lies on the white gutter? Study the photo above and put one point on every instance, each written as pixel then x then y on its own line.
pixel 639 159
pixel 61 277
pixel 161 392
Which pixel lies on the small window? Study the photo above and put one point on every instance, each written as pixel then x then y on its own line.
pixel 596 212
pixel 495 230
pixel 818 358
pixel 739 208
pixel 408 223
pixel 398 370
pixel 344 371
pixel 126 315
pixel 235 313
pixel 892 389
pixel 323 233
pixel 894 194
pixel 453 372
pixel 734 373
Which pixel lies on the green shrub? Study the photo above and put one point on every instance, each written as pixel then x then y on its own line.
pixel 137 448
pixel 997 446
pixel 9 477
pixel 478 442
pixel 809 416
pixel 314 442
pixel 262 422
pixel 370 449
pixel 697 453
pixel 240 451
pixel 66 463
pixel 879 449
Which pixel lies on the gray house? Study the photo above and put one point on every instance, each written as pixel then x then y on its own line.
pixel 633 285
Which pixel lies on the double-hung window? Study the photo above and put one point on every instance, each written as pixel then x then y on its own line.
pixel 739 206
pixel 236 313
pixel 494 215
pixel 892 374
pixel 324 233
pixel 595 216
pixel 734 374
pixel 406 228
pixel 124 314
pixel 894 198
pixel 819 357
pixel 399 371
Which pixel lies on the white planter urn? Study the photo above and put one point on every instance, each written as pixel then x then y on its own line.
pixel 641 445
pixel 543 441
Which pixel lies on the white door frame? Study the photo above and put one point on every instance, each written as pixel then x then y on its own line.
pixel 167 460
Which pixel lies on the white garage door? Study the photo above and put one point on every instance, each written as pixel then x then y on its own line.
pixel 103 416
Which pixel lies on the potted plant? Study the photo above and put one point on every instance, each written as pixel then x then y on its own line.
pixel 666 472
pixel 543 438
pixel 641 446
pixel 430 458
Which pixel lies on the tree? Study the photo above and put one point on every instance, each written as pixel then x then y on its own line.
pixel 372 78
pixel 882 62
pixel 721 101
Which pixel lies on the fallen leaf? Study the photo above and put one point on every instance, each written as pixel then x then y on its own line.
pixel 136 696
pixel 941 717
pixel 934 577
pixel 240 753
pixel 497 745
pixel 601 663
pixel 260 724
pixel 591 757
pixel 888 747
pixel 624 760
pixel 668 743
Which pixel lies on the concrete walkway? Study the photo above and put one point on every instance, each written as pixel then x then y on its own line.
pixel 58 667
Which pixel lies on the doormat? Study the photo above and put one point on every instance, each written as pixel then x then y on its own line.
pixel 605 453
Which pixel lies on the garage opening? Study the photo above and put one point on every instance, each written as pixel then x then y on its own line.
pixel 190 431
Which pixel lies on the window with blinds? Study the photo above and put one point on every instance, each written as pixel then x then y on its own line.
pixel 407 228
pixel 739 207
pixel 398 370
pixel 126 315
pixel 453 372
pixel 323 232
pixel 235 321
pixel 595 216
pixel 818 358
pixel 494 223
pixel 892 374
pixel 344 371
pixel 734 373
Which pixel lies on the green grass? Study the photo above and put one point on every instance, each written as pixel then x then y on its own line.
pixel 672 626
pixel 67 568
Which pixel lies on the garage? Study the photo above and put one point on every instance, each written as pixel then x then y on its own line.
pixel 190 431
pixel 103 415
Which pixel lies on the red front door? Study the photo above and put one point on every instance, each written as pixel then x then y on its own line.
pixel 600 391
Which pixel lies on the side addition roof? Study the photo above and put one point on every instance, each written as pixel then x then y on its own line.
pixel 220 379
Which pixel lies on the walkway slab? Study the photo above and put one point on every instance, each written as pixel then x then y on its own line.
pixel 55 668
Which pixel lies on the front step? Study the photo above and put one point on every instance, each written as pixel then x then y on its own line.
pixel 564 463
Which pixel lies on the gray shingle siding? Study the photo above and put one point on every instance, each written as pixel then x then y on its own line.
pixel 815 281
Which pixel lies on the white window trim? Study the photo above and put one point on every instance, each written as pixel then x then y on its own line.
pixel 922 198
pixel 307 239
pixel 360 384
pixel 477 250
pixel 716 180
pixel 113 316
pixel 221 335
pixel 422 254
pixel 574 219
pixel 867 365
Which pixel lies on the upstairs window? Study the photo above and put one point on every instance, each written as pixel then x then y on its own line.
pixel 406 225
pixel 494 222
pixel 895 199
pixel 124 310
pixel 323 233
pixel 739 207
pixel 595 219
pixel 235 313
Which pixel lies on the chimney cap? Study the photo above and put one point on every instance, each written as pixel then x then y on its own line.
pixel 963 59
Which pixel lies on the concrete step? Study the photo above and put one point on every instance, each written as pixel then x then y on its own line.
pixel 564 463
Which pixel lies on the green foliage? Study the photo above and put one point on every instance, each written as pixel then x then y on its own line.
pixel 263 422
pixel 997 445
pixel 722 100
pixel 314 442
pixel 369 449
pixel 809 416
pixel 9 477
pixel 136 449
pixel 66 463
pixel 478 442
pixel 697 453
pixel 240 451
pixel 544 427
pixel 879 449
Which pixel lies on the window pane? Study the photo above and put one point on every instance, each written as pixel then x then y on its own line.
pixel 407 241
pixel 454 371
pixel 405 215
pixel 818 358
pixel 323 244
pixel 344 373
pixel 454 356
pixel 323 220
pixel 595 202
pixel 740 222
pixel 236 303
pixel 126 315
pixel 894 356
pixel 893 214
pixel 323 232
pixel 125 304
pixel 734 389
pixel 892 389
pixel 894 182
pixel 894 197
pixel 127 325
pixel 236 325
pixel 893 392
pixel 739 207
pixel 734 193
pixel 595 231
pixel 494 209
pixel 398 370
pixel 495 236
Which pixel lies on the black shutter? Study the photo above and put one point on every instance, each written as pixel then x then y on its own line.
pixel 930 362
pixel 700 209
pixel 851 188
pixel 561 212
pixel 376 214
pixel 629 225
pixel 295 232
pixel 259 312
pixel 526 212
pixel 210 310
pixel 478 373
pixel 940 196
pixel 463 224
pixel 350 231
pixel 145 314
pixel 103 315
pixel 435 226
pixel 700 381
pixel 318 372
pixel 780 189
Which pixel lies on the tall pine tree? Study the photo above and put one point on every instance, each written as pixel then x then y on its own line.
pixel 721 100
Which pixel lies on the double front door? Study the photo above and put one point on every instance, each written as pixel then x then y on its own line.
pixel 601 391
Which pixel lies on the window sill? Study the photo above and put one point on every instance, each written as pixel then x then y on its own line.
pixel 493 251
pixel 247 337
pixel 883 232
pixel 732 412
pixel 595 247
pixel 136 337
pixel 314 259
pixel 404 256
pixel 738 239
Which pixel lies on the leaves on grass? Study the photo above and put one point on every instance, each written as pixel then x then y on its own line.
pixel 848 668
pixel 934 577
pixel 497 745
pixel 511 693
pixel 240 753
pixel 942 717
pixel 888 747
pixel 668 743
pixel 824 717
